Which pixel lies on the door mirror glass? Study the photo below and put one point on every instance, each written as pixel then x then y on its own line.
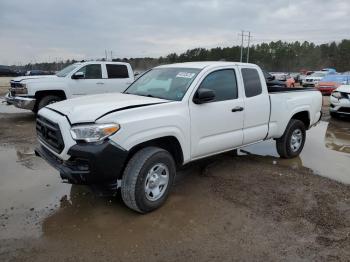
pixel 203 95
pixel 78 75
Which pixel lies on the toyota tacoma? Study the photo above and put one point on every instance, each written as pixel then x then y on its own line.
pixel 170 116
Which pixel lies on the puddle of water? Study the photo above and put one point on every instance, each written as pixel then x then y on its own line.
pixel 35 204
pixel 326 151
pixel 29 190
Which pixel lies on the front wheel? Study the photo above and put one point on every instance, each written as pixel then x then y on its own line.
pixel 147 179
pixel 292 142
pixel 47 100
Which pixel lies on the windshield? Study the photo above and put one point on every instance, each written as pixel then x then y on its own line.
pixel 65 71
pixel 167 83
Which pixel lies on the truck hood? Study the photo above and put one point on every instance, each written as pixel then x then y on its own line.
pixel 36 78
pixel 344 88
pixel 88 109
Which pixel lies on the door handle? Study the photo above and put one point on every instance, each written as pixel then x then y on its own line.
pixel 100 83
pixel 237 109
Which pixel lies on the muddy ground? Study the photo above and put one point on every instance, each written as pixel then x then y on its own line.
pixel 250 207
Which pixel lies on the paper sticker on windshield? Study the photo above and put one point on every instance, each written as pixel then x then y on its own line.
pixel 185 75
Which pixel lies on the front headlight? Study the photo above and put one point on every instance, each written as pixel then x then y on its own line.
pixel 93 132
pixel 336 94
pixel 21 89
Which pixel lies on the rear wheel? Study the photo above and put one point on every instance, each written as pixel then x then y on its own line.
pixel 46 100
pixel 292 142
pixel 147 179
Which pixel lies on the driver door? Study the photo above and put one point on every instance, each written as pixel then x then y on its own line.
pixel 217 126
pixel 91 82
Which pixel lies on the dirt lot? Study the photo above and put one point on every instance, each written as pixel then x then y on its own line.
pixel 250 207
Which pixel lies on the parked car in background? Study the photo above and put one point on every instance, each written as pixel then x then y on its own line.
pixel 271 80
pixel 290 81
pixel 7 71
pixel 303 75
pixel 340 101
pixel 38 73
pixel 331 71
pixel 170 116
pixel 331 82
pixel 84 78
pixel 279 76
pixel 313 79
pixel 284 77
pixel 296 77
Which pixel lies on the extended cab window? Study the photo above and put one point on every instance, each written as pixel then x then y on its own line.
pixel 223 83
pixel 92 71
pixel 251 80
pixel 117 71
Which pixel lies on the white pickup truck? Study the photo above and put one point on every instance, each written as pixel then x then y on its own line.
pixel 170 116
pixel 84 78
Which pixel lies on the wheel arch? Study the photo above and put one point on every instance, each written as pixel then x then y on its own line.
pixel 303 116
pixel 168 143
pixel 58 92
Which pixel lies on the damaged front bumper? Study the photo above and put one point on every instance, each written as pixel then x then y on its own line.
pixel 24 102
pixel 89 164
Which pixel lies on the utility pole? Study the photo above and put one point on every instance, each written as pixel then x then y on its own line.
pixel 242 35
pixel 248 47
pixel 106 54
pixel 111 55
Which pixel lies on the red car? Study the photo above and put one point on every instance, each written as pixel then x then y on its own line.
pixel 331 82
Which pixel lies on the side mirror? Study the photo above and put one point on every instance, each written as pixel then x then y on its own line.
pixel 78 75
pixel 203 95
pixel 271 78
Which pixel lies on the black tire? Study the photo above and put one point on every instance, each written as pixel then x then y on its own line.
pixel 284 144
pixel 133 188
pixel 46 100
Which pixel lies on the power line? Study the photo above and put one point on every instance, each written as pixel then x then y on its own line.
pixel 249 37
pixel 243 37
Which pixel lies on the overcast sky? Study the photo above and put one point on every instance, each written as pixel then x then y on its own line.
pixel 43 30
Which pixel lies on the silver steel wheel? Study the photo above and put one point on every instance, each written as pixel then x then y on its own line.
pixel 296 140
pixel 156 182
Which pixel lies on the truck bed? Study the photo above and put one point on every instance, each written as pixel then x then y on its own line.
pixel 278 89
pixel 286 101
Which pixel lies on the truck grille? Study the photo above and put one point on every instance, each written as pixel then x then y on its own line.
pixel 50 134
pixel 344 110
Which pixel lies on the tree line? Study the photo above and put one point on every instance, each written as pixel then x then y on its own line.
pixel 273 56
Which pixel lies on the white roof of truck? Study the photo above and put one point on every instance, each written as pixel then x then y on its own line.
pixel 201 65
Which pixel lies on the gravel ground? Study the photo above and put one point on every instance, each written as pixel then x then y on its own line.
pixel 250 207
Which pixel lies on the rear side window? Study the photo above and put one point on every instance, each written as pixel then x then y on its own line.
pixel 251 80
pixel 92 71
pixel 117 71
pixel 223 83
